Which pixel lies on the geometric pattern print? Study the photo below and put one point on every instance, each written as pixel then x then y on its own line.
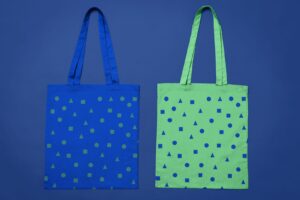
pixel 91 142
pixel 202 142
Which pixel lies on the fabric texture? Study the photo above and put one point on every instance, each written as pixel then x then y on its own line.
pixel 202 129
pixel 92 130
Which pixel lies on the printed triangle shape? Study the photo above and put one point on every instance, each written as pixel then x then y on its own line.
pixel 85 123
pixel 241 116
pixel 212 155
pixel 227 160
pixel 195 123
pixel 169 154
pixel 184 114
pixel 164 166
pixel 215 167
pixel 191 137
pixel 180 101
pixel 220 99
pixel 163 133
pixel 200 110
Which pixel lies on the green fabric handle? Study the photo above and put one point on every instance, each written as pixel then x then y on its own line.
pixel 221 74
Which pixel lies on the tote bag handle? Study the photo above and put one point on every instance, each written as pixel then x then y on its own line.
pixel 221 74
pixel 109 62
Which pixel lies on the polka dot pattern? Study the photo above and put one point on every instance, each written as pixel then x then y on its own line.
pixel 204 140
pixel 91 140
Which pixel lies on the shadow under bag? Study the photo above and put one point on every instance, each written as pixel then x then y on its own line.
pixel 92 130
pixel 202 129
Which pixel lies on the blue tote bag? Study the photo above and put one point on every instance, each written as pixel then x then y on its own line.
pixel 92 130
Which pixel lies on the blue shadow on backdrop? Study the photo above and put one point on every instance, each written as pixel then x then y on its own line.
pixel 150 40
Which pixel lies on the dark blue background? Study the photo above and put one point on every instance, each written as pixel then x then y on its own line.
pixel 37 40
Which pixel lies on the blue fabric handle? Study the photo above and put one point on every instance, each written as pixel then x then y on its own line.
pixel 109 62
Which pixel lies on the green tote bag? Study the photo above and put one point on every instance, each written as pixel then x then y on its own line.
pixel 202 129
